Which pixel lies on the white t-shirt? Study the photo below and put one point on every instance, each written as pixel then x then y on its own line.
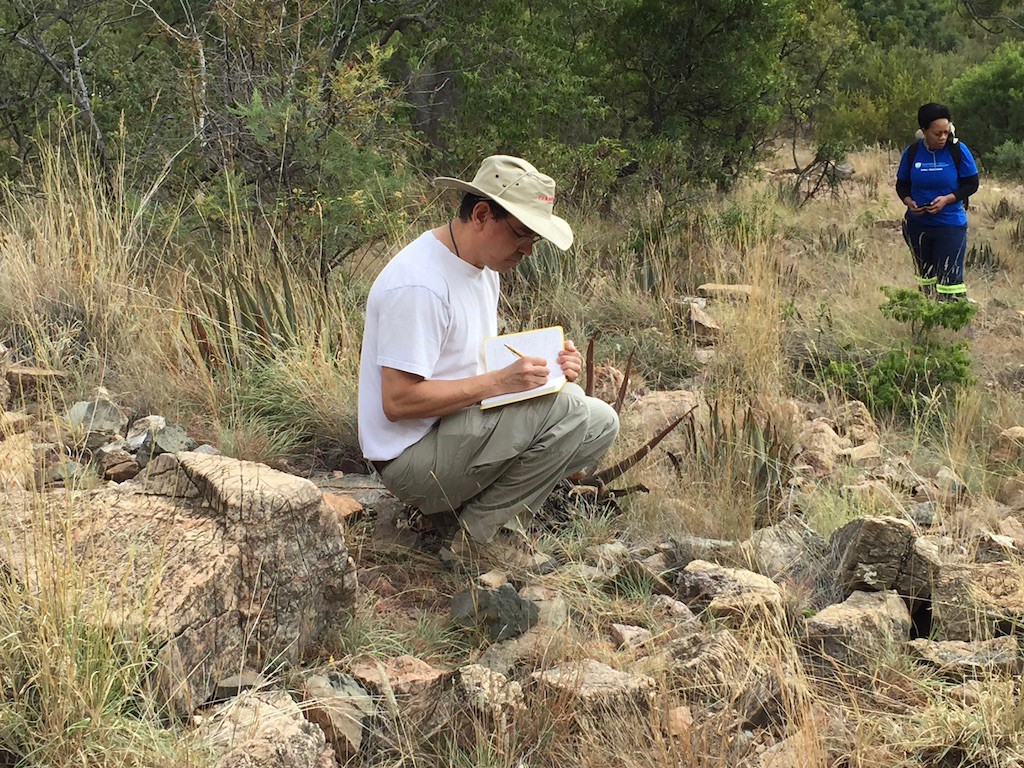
pixel 427 314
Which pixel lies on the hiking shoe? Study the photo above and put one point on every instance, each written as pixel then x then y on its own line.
pixel 928 291
pixel 953 297
pixel 507 551
pixel 441 522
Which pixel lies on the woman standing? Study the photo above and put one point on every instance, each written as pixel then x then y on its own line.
pixel 935 176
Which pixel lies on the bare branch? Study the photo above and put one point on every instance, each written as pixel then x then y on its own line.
pixel 589 388
pixel 606 476
pixel 987 15
pixel 401 23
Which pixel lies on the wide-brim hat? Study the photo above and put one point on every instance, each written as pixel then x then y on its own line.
pixel 520 189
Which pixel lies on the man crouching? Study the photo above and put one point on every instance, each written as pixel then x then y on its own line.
pixel 421 379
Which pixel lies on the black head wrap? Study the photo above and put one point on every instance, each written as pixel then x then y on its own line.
pixel 930 112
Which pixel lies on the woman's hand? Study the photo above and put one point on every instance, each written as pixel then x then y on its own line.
pixel 570 360
pixel 913 206
pixel 938 203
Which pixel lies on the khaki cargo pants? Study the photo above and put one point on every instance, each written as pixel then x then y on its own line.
pixel 495 467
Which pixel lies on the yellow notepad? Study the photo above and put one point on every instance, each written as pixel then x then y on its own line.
pixel 541 342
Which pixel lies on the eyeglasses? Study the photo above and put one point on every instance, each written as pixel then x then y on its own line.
pixel 532 237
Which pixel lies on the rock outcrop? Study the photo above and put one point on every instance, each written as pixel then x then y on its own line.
pixel 856 630
pixel 978 601
pixel 870 552
pixel 585 693
pixel 264 729
pixel 733 595
pixel 218 563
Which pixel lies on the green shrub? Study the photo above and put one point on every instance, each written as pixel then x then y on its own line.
pixel 908 371
pixel 988 100
pixel 909 306
pixel 1007 159
pixel 880 92
pixel 921 366
pixel 897 22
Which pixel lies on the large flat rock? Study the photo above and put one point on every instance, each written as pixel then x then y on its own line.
pixel 219 563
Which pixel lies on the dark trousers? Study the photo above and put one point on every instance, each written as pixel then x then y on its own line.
pixel 938 255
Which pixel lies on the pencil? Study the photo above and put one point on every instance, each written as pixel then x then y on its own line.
pixel 515 352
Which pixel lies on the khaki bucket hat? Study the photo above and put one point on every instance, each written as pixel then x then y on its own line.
pixel 520 189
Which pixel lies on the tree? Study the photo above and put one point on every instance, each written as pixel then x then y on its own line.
pixel 988 100
pixel 994 15
pixel 918 23
pixel 706 73
pixel 59 38
pixel 823 40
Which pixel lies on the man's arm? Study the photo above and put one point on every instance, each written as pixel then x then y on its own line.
pixel 408 396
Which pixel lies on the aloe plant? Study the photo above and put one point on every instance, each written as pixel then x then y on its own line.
pixel 742 451
pixel 245 315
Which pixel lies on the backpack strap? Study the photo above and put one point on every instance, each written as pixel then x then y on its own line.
pixel 958 158
pixel 911 154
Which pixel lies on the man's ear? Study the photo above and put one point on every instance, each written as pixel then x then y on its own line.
pixel 481 213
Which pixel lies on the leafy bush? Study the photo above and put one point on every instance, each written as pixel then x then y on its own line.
pixel 897 22
pixel 921 366
pixel 988 100
pixel 880 92
pixel 1007 159
pixel 909 306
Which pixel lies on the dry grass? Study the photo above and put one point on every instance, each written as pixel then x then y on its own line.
pixel 75 290
pixel 74 680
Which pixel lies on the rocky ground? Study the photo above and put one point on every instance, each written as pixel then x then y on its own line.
pixel 783 647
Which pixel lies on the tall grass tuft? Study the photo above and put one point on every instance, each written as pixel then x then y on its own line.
pixel 73 679
pixel 77 288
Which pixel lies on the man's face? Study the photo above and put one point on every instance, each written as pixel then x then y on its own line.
pixel 510 241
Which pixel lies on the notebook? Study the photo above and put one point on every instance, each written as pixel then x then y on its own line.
pixel 502 351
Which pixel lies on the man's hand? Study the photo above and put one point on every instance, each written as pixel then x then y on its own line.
pixel 408 396
pixel 570 360
pixel 525 373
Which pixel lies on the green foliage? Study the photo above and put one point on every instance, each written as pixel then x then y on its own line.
pixel 521 71
pixel 909 306
pixel 988 101
pixel 922 366
pixel 705 71
pixel 899 22
pixel 740 225
pixel 907 371
pixel 280 122
pixel 994 16
pixel 1007 160
pixel 823 41
pixel 878 95
pixel 315 118
pixel 323 159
